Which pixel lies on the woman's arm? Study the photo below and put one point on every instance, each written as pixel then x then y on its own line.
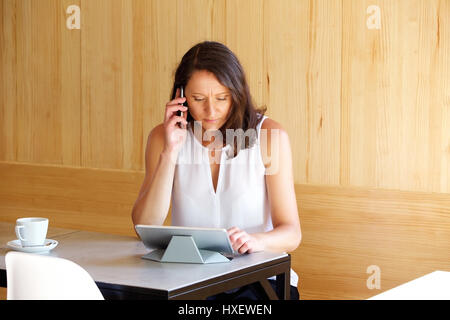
pixel 153 202
pixel 286 234
pixel 163 145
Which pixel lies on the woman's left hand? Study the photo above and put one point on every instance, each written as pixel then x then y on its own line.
pixel 243 242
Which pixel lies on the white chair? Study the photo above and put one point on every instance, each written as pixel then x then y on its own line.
pixel 38 277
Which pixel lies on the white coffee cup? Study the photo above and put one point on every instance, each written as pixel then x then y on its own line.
pixel 32 231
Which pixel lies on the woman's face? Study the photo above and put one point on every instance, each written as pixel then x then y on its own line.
pixel 208 100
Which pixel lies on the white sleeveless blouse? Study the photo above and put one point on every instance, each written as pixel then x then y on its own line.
pixel 241 198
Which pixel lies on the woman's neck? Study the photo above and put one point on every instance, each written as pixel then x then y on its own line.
pixel 208 140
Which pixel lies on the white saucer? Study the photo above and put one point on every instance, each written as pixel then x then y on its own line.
pixel 17 246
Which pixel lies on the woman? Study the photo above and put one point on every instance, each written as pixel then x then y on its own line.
pixel 222 163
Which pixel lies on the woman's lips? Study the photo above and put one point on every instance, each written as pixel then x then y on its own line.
pixel 210 121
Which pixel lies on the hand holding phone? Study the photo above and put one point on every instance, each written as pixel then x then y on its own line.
pixel 174 136
pixel 180 113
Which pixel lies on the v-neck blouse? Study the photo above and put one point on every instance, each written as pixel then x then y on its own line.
pixel 240 198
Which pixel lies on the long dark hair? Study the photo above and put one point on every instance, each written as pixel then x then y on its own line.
pixel 218 59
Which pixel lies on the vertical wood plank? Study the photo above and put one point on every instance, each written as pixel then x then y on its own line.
pixel 323 85
pixel 131 120
pixel 359 65
pixel 285 40
pixel 24 82
pixel 408 63
pixel 194 21
pixel 101 96
pixel 70 87
pixel 136 136
pixel 442 99
pixel 219 21
pixel 106 83
pixel 245 37
pixel 39 128
pixel 426 131
pixel 302 43
pixel 159 60
pixel 47 85
pixel 8 82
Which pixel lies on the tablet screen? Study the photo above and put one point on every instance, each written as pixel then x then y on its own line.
pixel 158 237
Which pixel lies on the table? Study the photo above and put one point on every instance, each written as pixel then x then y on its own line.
pixel 115 263
pixel 432 286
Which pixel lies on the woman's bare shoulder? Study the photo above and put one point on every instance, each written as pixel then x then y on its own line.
pixel 156 134
pixel 273 126
pixel 155 144
pixel 275 133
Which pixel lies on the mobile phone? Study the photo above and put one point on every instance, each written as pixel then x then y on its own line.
pixel 180 113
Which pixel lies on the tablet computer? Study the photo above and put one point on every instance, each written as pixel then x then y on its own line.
pixel 158 237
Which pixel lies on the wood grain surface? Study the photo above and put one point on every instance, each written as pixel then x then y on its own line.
pixel 367 111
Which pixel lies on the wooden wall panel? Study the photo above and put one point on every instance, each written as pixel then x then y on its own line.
pixel 78 198
pixel 395 83
pixel 245 37
pixel 365 109
pixel 346 230
pixel 286 92
pixel 159 59
pixel 440 155
pixel 355 101
pixel 304 94
pixel 70 102
pixel 40 96
pixel 106 82
pixel 197 21
pixel 8 74
pixel 47 119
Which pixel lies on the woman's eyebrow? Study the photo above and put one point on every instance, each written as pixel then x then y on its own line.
pixel 205 95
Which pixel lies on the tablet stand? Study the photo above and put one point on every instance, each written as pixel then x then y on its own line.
pixel 183 249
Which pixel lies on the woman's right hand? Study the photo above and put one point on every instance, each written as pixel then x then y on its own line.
pixel 174 135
